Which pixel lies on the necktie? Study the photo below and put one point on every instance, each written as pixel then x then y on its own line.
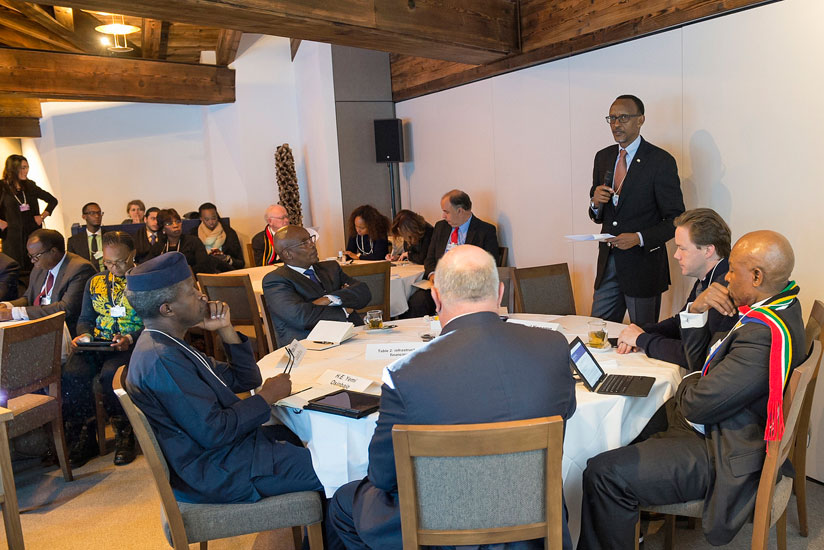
pixel 311 274
pixel 153 238
pixel 620 171
pixel 46 289
pixel 94 244
pixel 454 237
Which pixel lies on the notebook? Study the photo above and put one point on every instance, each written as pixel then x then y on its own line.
pixel 596 380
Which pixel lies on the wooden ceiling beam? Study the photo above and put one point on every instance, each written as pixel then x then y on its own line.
pixel 22 24
pixel 14 39
pixel 469 31
pixel 155 38
pixel 19 127
pixel 53 75
pixel 227 45
pixel 554 29
pixel 64 16
pixel 20 107
pixel 45 20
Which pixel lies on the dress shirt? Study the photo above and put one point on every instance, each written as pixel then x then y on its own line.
pixel 334 300
pixel 98 237
pixel 631 149
pixel 18 313
pixel 462 230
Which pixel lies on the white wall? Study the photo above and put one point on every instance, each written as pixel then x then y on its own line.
pixel 183 155
pixel 735 99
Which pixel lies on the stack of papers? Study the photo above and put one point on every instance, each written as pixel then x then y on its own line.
pixel 327 334
pixel 589 237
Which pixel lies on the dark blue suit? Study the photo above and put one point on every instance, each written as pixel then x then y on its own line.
pixel 214 444
pixel 480 369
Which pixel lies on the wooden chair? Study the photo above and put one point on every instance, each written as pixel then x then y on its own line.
pixel 267 316
pixel 376 275
pixel 507 276
pixel 251 253
pixel 503 256
pixel 545 289
pixel 480 483
pixel 187 523
pixel 236 290
pixel 813 330
pixel 8 493
pixel 30 360
pixel 772 498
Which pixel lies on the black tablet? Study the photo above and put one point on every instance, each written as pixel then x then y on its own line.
pixel 346 403
pixel 96 345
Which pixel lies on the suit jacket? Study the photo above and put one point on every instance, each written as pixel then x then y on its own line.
pixel 731 402
pixel 144 250
pixel 196 255
pixel 663 340
pixel 8 278
pixel 289 296
pixel 79 244
pixel 258 244
pixel 479 233
pixel 67 292
pixel 650 200
pixel 231 247
pixel 480 369
pixel 417 252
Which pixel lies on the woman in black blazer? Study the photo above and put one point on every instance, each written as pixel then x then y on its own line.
pixel 175 241
pixel 367 229
pixel 416 234
pixel 19 209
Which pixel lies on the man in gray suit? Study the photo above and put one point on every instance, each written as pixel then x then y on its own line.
pixel 57 281
pixel 480 369
pixel 304 291
pixel 708 442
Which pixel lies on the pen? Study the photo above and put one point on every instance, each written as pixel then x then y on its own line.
pixel 300 391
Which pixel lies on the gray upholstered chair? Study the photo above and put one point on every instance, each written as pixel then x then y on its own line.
pixel 30 355
pixel 772 498
pixel 507 276
pixel 186 523
pixel 376 275
pixel 8 493
pixel 480 483
pixel 545 289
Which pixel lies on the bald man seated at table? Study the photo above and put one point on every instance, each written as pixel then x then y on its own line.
pixel 304 291
pixel 480 369
pixel 709 441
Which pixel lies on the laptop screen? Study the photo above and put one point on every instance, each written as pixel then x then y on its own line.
pixel 584 363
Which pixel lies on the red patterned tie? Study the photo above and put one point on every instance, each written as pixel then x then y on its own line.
pixel 620 171
pixel 454 237
pixel 46 289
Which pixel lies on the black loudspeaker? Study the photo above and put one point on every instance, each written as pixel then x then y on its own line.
pixel 389 140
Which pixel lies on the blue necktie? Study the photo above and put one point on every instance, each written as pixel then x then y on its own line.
pixel 311 274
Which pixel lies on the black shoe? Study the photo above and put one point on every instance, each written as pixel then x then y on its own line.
pixel 124 446
pixel 85 448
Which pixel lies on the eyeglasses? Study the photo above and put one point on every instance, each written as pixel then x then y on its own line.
pixel 37 256
pixel 620 118
pixel 270 218
pixel 119 263
pixel 305 243
pixel 93 213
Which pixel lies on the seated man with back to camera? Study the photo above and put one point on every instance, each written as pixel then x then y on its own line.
pixel 702 242
pixel 215 444
pixel 480 369
pixel 304 291
pixel 709 441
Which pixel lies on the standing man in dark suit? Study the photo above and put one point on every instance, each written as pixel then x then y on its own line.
pixel 304 291
pixel 457 227
pixel 480 369
pixel 702 248
pixel 88 244
pixel 708 442
pixel 635 195
pixel 57 281
pixel 8 277
pixel 148 242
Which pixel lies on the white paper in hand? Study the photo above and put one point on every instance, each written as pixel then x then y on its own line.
pixel 589 237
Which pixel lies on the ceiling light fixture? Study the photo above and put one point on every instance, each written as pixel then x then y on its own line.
pixel 118 29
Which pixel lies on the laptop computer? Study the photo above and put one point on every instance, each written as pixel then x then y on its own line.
pixel 596 380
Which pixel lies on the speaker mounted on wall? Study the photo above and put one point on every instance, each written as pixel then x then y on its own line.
pixel 389 140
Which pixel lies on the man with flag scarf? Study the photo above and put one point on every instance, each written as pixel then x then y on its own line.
pixel 709 441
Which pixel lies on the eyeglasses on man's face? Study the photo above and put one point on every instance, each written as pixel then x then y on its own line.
pixel 308 242
pixel 623 119
pixel 35 257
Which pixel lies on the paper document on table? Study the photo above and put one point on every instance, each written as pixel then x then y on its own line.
pixel 424 284
pixel 330 333
pixel 344 381
pixel 589 237
pixel 537 324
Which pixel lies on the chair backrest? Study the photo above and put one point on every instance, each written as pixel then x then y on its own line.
pixel 507 276
pixel 157 463
pixel 376 275
pixel 30 354
pixel 236 290
pixel 267 316
pixel 545 289
pixel 815 324
pixel 503 256
pixel 778 451
pixel 251 253
pixel 480 483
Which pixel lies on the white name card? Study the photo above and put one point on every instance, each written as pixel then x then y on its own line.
pixel 537 324
pixel 392 350
pixel 345 381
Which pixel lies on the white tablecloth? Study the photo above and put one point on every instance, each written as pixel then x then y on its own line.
pixel 339 445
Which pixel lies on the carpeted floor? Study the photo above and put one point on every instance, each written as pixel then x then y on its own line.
pixel 108 507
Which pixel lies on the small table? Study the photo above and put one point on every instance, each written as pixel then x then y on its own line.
pixel 340 445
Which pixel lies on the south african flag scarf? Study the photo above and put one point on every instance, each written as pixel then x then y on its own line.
pixel 781 353
pixel 269 254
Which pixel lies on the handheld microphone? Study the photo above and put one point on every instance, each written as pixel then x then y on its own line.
pixel 608 178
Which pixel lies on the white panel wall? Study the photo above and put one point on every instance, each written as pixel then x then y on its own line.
pixel 734 99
